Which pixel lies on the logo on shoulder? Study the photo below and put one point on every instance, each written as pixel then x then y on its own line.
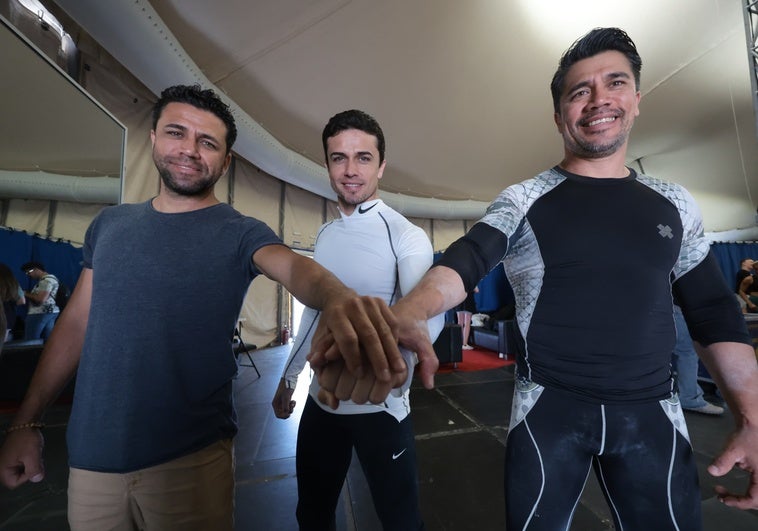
pixel 665 231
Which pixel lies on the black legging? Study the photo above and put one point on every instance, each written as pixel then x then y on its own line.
pixel 387 453
pixel 644 465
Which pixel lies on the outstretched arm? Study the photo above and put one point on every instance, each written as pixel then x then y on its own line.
pixel 440 289
pixel 21 454
pixel 462 266
pixel 363 328
pixel 733 367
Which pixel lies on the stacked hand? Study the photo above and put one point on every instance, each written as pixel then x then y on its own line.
pixel 364 378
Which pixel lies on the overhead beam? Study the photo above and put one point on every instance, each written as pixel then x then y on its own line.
pixel 751 30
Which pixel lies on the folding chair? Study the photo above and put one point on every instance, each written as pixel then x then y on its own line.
pixel 242 348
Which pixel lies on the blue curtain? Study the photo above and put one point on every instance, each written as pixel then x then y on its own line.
pixel 494 292
pixel 729 255
pixel 59 257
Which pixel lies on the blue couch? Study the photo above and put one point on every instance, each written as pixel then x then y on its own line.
pixel 498 336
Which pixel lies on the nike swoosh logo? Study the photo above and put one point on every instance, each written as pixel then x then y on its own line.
pixel 362 210
pixel 395 456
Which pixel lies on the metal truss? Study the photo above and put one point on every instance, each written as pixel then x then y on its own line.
pixel 751 29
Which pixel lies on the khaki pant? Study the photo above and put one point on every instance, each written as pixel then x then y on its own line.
pixel 191 493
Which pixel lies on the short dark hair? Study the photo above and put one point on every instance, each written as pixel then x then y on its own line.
pixel 596 41
pixel 204 99
pixel 354 119
pixel 32 265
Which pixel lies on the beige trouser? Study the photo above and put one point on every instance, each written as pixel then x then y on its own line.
pixel 191 493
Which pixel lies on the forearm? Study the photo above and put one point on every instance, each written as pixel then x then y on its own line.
pixel 309 282
pixel 36 298
pixel 60 356
pixel 439 290
pixel 734 369
pixel 55 369
pixel 314 286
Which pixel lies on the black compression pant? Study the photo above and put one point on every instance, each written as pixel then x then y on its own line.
pixel 643 463
pixel 386 451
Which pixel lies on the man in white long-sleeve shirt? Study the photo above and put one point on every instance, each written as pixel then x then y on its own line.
pixel 377 252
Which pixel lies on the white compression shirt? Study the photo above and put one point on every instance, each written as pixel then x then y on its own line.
pixel 376 252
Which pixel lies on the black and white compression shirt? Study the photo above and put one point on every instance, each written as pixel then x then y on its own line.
pixel 595 265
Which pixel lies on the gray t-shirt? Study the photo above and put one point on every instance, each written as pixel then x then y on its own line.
pixel 155 377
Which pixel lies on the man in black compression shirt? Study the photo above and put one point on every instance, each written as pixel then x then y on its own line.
pixel 594 391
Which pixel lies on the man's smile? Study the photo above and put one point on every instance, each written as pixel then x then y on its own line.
pixel 599 121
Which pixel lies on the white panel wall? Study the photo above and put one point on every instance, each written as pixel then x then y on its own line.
pixel 257 194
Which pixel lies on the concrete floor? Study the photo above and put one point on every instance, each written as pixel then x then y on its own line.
pixel 460 431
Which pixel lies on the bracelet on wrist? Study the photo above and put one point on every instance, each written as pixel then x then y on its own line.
pixel 27 425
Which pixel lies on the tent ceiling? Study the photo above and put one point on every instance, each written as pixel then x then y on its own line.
pixel 461 88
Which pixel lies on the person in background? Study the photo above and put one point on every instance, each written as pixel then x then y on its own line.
pixel 684 362
pixel 753 291
pixel 43 312
pixel 744 284
pixel 376 251
pixel 594 390
pixel 152 421
pixel 463 314
pixel 12 296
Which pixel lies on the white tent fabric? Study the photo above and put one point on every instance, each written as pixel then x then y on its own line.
pixel 158 60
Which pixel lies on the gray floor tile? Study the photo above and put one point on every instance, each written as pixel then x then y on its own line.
pixel 461 428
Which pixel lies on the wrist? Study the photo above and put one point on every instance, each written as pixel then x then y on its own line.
pixel 25 426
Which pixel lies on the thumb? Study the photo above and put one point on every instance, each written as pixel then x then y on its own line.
pixel 35 472
pixel 327 398
pixel 427 368
pixel 723 463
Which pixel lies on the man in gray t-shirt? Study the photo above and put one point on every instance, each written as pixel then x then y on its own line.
pixel 152 419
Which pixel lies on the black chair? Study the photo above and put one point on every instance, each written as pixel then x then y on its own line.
pixel 18 360
pixel 449 344
pixel 500 336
